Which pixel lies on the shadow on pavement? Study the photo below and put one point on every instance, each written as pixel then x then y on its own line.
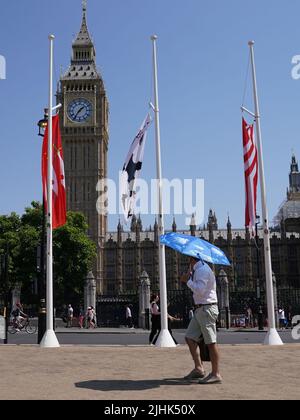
pixel 123 385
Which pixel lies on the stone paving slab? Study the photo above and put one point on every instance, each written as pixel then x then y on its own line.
pixel 145 373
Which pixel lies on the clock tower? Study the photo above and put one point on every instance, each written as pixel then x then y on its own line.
pixel 84 127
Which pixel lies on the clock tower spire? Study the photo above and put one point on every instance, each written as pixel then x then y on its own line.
pixel 83 46
pixel 84 126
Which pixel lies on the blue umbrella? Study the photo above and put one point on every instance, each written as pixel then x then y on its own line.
pixel 195 247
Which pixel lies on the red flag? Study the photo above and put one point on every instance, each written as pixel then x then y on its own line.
pixel 59 212
pixel 251 173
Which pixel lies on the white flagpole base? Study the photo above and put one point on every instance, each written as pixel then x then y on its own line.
pixel 49 340
pixel 165 340
pixel 273 338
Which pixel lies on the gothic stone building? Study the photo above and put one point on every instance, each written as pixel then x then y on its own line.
pixel 126 254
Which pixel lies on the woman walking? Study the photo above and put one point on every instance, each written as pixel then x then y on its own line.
pixel 155 318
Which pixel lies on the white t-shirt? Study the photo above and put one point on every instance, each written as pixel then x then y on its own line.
pixel 203 285
pixel 281 314
pixel 128 312
pixel 154 309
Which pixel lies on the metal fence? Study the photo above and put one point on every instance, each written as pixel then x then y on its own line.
pixel 289 299
pixel 111 310
pixel 180 302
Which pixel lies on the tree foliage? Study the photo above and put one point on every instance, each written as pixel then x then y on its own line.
pixel 74 254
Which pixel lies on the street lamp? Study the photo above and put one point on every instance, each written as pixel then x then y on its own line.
pixel 42 124
pixel 258 284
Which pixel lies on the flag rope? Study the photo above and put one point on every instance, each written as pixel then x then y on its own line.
pixel 246 81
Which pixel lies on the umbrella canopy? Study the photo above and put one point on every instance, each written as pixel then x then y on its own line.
pixel 195 247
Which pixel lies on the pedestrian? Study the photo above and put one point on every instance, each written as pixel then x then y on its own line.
pixel 260 318
pixel 129 320
pixel 155 318
pixel 90 316
pixel 249 317
pixel 70 316
pixel 81 317
pixel 170 320
pixel 202 282
pixel 282 320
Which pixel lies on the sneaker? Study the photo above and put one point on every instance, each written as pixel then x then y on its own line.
pixel 211 380
pixel 195 374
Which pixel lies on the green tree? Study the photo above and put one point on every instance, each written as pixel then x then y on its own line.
pixel 33 216
pixel 74 256
pixel 9 245
pixel 26 258
pixel 74 253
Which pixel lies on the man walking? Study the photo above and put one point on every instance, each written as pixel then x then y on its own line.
pixel 282 320
pixel 70 316
pixel 129 319
pixel 201 280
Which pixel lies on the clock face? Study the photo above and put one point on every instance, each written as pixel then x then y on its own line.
pixel 79 110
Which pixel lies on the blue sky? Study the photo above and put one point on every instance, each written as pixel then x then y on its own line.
pixel 203 56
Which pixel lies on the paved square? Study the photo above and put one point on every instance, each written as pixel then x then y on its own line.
pixel 145 373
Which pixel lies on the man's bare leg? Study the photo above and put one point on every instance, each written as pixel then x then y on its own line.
pixel 193 347
pixel 215 360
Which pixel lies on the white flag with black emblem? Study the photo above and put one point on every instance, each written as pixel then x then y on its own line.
pixel 131 170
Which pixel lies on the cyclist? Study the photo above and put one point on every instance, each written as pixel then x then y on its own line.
pixel 19 316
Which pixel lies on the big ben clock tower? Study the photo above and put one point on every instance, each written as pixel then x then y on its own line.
pixel 84 127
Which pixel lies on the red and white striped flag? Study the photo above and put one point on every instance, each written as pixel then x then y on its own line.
pixel 251 173
pixel 59 212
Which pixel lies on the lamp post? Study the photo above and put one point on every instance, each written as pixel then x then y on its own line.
pixel 258 283
pixel 42 124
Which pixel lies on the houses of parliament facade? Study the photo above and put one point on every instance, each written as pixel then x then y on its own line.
pixel 123 256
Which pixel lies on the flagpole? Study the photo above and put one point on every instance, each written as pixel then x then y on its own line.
pixel 165 339
pixel 272 337
pixel 50 340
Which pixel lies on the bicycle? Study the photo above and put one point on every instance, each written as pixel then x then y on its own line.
pixel 14 327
